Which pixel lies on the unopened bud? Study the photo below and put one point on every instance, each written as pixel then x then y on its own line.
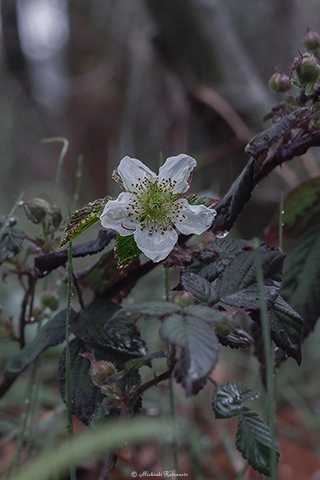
pixel 279 83
pixel 307 69
pixel 35 209
pixel 184 299
pixel 50 300
pixel 100 370
pixel 311 40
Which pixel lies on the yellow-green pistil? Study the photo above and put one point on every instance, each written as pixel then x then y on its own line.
pixel 155 205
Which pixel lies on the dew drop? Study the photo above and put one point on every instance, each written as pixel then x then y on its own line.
pixel 222 234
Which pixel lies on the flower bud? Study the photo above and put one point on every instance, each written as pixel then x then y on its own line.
pixel 279 83
pixel 50 300
pixel 307 69
pixel 184 299
pixel 35 209
pixel 100 370
pixel 311 40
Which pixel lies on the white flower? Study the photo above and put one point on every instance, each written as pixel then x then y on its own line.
pixel 151 209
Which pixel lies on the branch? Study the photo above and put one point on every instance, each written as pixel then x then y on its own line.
pixel 286 152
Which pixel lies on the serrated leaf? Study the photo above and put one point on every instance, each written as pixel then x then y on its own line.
pixel 94 328
pixel 11 239
pixel 237 285
pixel 201 289
pixel 88 403
pixel 228 399
pixel 236 339
pixel 82 219
pixel 299 207
pixel 286 328
pixel 200 348
pixel 254 441
pixel 213 260
pixel 301 279
pixel 52 333
pixel 206 201
pixel 126 250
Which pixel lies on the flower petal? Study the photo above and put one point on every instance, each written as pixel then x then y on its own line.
pixel 133 172
pixel 156 246
pixel 178 169
pixel 193 218
pixel 115 215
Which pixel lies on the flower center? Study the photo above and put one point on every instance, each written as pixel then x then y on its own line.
pixel 156 201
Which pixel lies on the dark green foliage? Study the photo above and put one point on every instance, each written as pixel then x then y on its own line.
pixel 52 333
pixel 286 328
pixel 95 328
pixel 253 437
pixel 254 441
pixel 301 282
pixel 126 250
pixel 200 348
pixel 88 403
pixel 228 399
pixel 11 238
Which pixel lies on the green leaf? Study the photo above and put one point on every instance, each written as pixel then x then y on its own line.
pixel 213 260
pixel 84 218
pixel 201 289
pixel 299 207
pixel 95 328
pixel 11 238
pixel 126 250
pixel 200 348
pixel 88 403
pixel 254 441
pixel 228 400
pixel 237 285
pixel 286 328
pixel 210 315
pixel 301 279
pixel 52 333
pixel 195 200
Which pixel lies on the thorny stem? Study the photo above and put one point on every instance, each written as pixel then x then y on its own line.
pixel 296 148
pixel 29 294
pixel 140 391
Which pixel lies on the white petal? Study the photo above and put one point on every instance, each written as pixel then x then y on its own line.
pixel 133 172
pixel 115 215
pixel 156 246
pixel 193 218
pixel 178 169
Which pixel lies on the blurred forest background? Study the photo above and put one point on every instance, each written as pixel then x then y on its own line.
pixel 150 77
pixel 138 78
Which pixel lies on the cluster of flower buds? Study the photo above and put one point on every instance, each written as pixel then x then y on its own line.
pixel 305 70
